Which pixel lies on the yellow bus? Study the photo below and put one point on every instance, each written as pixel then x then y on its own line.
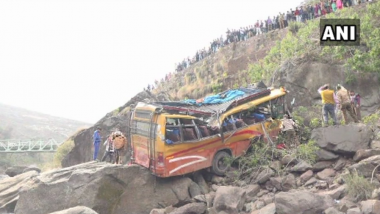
pixel 176 138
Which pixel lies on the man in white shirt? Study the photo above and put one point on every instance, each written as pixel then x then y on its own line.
pixel 288 125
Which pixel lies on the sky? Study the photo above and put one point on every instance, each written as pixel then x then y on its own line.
pixel 81 59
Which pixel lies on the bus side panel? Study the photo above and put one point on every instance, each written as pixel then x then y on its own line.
pixel 141 153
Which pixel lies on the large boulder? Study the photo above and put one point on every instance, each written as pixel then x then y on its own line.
pixel 82 151
pixel 10 187
pixel 366 166
pixel 76 210
pixel 302 202
pixel 15 170
pixel 105 188
pixel 229 199
pixel 343 139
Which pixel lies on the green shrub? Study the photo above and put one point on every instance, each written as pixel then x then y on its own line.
pixel 307 152
pixel 372 119
pixel 62 151
pixel 295 26
pixel 358 187
pixel 315 122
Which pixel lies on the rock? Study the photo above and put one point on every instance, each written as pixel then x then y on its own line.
pixel 248 207
pixel 259 204
pixel 332 210
pixel 321 165
pixel 210 199
pixel 268 199
pixel 311 182
pixel 366 166
pixel 275 165
pixel 268 209
pixel 337 193
pixel 264 176
pixel 211 210
pixel 76 210
pixel 375 194
pixel 287 160
pixel 103 187
pixel 326 174
pixel 169 209
pixel 10 187
pixel 288 182
pixel 217 179
pixel 214 187
pixel 158 211
pixel 199 179
pixel 365 153
pixel 306 176
pixel 15 170
pixel 262 192
pixel 229 199
pixel 192 208
pixel 276 182
pixel 32 168
pixel 301 202
pixel 194 189
pixel 200 198
pixel 346 204
pixel 355 210
pixel 375 144
pixel 370 207
pixel 324 155
pixel 321 185
pixel 343 139
pixel 252 190
pixel 4 176
pixel 301 166
pixel 340 164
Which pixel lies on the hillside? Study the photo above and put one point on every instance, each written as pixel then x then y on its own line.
pixel 291 57
pixel 18 123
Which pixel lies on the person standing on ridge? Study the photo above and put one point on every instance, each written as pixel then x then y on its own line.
pixel 328 102
pixel 345 103
pixel 110 149
pixel 96 142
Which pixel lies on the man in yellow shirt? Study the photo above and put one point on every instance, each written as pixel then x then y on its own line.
pixel 328 102
pixel 345 103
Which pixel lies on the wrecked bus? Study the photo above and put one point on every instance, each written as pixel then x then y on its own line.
pixel 176 138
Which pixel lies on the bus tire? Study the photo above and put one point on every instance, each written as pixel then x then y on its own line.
pixel 218 167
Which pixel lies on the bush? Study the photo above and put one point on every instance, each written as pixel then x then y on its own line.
pixel 295 26
pixel 358 187
pixel 372 119
pixel 62 151
pixel 307 152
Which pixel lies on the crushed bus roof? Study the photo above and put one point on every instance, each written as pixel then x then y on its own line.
pixel 250 94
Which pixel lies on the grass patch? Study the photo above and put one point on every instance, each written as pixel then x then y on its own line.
pixel 62 151
pixel 358 187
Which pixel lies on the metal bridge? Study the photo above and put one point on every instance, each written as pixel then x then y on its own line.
pixel 14 146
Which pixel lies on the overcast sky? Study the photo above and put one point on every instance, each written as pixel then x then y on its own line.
pixel 81 59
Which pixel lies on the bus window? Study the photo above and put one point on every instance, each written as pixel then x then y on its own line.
pixel 189 130
pixel 172 135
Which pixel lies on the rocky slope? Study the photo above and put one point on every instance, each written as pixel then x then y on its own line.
pixel 287 186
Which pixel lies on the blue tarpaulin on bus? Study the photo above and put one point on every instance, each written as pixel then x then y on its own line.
pixel 218 98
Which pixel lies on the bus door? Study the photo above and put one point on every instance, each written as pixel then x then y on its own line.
pixel 143 131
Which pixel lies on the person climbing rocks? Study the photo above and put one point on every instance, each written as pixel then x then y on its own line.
pixel 328 102
pixel 96 142
pixel 345 103
pixel 355 100
pixel 110 150
pixel 288 128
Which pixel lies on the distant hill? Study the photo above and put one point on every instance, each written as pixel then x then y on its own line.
pixel 18 123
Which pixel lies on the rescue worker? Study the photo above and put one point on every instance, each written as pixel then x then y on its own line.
pixel 110 150
pixel 120 145
pixel 355 100
pixel 288 128
pixel 328 102
pixel 345 103
pixel 96 142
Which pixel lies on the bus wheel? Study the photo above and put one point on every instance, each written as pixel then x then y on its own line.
pixel 219 165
